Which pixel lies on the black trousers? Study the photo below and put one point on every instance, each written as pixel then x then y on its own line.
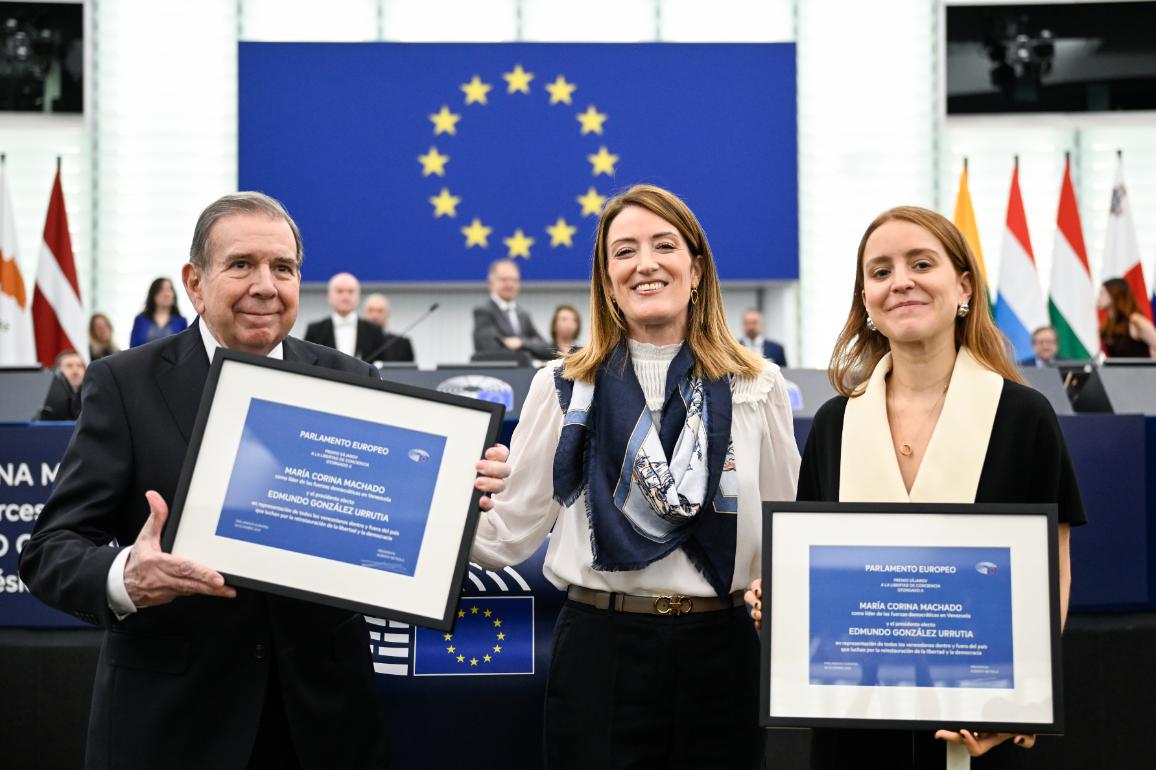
pixel 630 691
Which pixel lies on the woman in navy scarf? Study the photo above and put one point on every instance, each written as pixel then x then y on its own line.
pixel 647 455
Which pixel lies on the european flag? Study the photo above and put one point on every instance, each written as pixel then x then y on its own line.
pixel 492 635
pixel 425 162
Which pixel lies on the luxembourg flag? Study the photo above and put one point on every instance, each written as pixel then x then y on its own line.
pixel 1121 252
pixel 1019 306
pixel 1072 304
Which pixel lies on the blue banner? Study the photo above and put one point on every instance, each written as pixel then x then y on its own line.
pixel 336 487
pixel 911 616
pixel 425 162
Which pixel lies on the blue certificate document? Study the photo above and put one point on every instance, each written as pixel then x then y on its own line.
pixel 911 616
pixel 336 487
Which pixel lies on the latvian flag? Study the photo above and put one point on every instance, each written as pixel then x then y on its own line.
pixel 57 312
pixel 1019 307
pixel 1072 304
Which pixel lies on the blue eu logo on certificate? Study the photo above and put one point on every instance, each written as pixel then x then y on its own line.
pixel 336 487
pixel 911 616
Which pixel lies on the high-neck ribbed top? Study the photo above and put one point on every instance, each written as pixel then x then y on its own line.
pixel 651 363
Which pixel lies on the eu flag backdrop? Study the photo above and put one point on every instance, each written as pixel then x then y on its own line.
pixel 424 162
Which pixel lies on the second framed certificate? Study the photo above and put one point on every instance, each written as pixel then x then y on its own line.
pixel 332 487
pixel 911 617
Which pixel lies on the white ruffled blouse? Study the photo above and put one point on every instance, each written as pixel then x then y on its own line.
pixel 766 461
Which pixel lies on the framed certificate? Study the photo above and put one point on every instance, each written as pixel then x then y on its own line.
pixel 333 487
pixel 911 617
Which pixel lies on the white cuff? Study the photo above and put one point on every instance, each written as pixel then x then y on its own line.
pixel 118 599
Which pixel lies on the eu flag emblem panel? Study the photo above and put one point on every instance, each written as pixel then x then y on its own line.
pixel 425 162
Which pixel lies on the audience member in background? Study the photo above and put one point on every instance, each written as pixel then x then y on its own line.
pixel 100 342
pixel 565 327
pixel 1124 331
pixel 63 399
pixel 754 341
pixel 500 324
pixel 343 330
pixel 375 309
pixel 1045 345
pixel 161 316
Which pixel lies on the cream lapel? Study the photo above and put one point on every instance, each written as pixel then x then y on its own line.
pixel 868 470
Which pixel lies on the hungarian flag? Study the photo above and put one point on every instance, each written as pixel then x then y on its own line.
pixel 16 345
pixel 1019 307
pixel 1072 304
pixel 964 219
pixel 57 312
pixel 1121 252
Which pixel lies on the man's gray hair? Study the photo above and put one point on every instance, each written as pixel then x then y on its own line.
pixel 238 203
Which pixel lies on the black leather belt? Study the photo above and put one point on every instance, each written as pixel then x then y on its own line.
pixel 669 604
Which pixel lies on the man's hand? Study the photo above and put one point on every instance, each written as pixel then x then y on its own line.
pixel 513 343
pixel 153 577
pixel 491 474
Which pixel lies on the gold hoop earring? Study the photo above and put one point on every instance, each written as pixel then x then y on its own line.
pixel 694 295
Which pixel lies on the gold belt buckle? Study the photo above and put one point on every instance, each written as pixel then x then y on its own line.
pixel 673 605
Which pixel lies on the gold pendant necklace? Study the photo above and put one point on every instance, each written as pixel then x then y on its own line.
pixel 904 447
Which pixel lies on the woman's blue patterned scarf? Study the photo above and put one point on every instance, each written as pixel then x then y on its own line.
pixel 651 488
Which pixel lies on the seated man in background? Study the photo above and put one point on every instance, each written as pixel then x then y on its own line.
pixel 393 347
pixel 63 399
pixel 500 324
pixel 1044 348
pixel 752 339
pixel 343 330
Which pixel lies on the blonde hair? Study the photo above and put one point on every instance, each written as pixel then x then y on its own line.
pixel 859 349
pixel 716 352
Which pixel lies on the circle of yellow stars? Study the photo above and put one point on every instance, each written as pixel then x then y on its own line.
pixel 476 92
pixel 473 660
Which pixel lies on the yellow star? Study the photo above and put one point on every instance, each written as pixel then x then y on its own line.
pixel 592 121
pixel 445 122
pixel 445 204
pixel 433 162
pixel 489 612
pixel 519 246
pixel 476 91
pixel 473 610
pixel 501 636
pixel 603 162
pixel 592 203
pixel 477 234
pixel 449 636
pixel 473 661
pixel 461 613
pixel 518 81
pixel 497 648
pixel 451 649
pixel 486 658
pixel 461 659
pixel 561 91
pixel 498 624
pixel 561 234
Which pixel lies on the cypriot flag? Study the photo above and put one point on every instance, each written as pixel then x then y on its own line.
pixel 17 345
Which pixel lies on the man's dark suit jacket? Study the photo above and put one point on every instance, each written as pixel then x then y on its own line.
pixel 491 325
pixel 394 348
pixel 773 351
pixel 182 685
pixel 369 337
pixel 61 402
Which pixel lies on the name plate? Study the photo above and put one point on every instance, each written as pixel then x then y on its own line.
pixel 332 487
pixel 911 617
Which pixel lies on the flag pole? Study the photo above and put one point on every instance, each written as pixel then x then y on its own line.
pixel 965 164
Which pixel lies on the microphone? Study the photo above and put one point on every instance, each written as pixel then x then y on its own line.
pixel 373 356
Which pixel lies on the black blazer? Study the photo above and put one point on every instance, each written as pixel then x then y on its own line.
pixel 61 402
pixel 393 348
pixel 369 337
pixel 182 685
pixel 773 351
pixel 491 325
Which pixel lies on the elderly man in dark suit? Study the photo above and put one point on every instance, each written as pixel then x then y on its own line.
pixel 343 330
pixel 500 325
pixel 753 339
pixel 394 347
pixel 192 672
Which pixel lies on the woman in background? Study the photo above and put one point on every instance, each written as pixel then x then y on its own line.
pixel 930 410
pixel 161 316
pixel 1124 331
pixel 100 342
pixel 565 328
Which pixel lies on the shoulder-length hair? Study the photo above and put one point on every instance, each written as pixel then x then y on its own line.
pixel 150 308
pixel 1114 324
pixel 716 352
pixel 859 349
